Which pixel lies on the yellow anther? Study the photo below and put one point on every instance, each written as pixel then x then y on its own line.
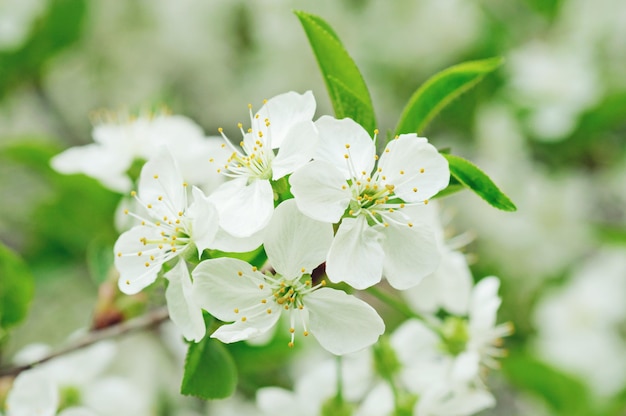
pixel 149 205
pixel 343 187
pixel 290 344
pixel 250 106
pixel 185 184
pixel 160 246
pixel 261 286
pixel 286 307
pixel 254 268
pixel 119 254
pixel 401 205
pixel 239 125
pixel 160 198
pixel 180 213
pixel 414 189
pixel 346 156
pixel 240 274
pixel 126 211
pixel 264 101
pixel 422 170
pixel 391 210
pixel 128 282
pixel 386 224
pixel 133 193
pixel 323 282
pixel 152 258
pixel 147 264
pixel 244 319
pixel 426 202
pixel 387 150
pixel 303 270
pixel 375 131
pixel 260 134
pixel 292 330
pixel 410 224
pixel 269 311
pixel 220 130
pixel 305 333
pixel 158 223
pixel 173 249
pixel 249 130
pixel 401 172
pixel 223 145
pixel 380 170
pixel 143 223
pixel 236 310
pixel 347 145
pixel 139 253
pixel 384 178
pixel 156 176
pixel 375 157
pixel 351 212
pixel 300 307
pixel 264 301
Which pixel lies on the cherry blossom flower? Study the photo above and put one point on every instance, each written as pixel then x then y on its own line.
pixel 172 227
pixel 121 140
pixel 377 202
pixel 246 203
pixel 233 291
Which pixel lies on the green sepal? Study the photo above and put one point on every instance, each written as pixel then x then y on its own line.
pixel 470 176
pixel 347 89
pixel 440 90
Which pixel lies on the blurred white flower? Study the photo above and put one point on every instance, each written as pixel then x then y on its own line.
pixel 75 385
pixel 556 83
pixel 121 141
pixel 232 290
pixel 579 325
pixel 16 21
pixel 443 367
pixel 246 203
pixel 382 230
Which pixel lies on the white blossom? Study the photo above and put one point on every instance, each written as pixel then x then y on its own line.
pixel 383 229
pixel 246 203
pixel 233 291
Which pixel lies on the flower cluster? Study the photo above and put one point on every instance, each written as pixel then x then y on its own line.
pixel 305 219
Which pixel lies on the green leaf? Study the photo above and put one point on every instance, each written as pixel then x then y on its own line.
pixel 210 371
pixel 564 394
pixel 16 289
pixel 438 91
pixel 470 176
pixel 346 87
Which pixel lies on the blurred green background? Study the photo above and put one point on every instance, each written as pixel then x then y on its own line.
pixel 549 127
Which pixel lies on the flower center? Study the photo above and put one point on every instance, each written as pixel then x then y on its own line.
pixel 254 159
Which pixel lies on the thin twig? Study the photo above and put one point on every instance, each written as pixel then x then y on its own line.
pixel 148 320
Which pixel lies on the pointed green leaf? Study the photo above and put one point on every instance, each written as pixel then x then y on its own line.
pixel 16 289
pixel 475 179
pixel 210 371
pixel 438 91
pixel 346 87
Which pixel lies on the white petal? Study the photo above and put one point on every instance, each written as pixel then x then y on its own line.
pixel 219 289
pixel 204 220
pixel 413 341
pixel 379 401
pixel 182 309
pixel 99 162
pixel 253 327
pixel 32 394
pixel 484 304
pixel 298 148
pixel 410 162
pixel 465 367
pixel 283 112
pixel 131 257
pixel 243 208
pixel 294 242
pixel 342 323
pixel 318 188
pixel 230 244
pixel 411 253
pixel 162 185
pixel 448 287
pixel 335 135
pixel 274 400
pixel 356 255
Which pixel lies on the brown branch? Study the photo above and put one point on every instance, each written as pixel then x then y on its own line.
pixel 146 321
